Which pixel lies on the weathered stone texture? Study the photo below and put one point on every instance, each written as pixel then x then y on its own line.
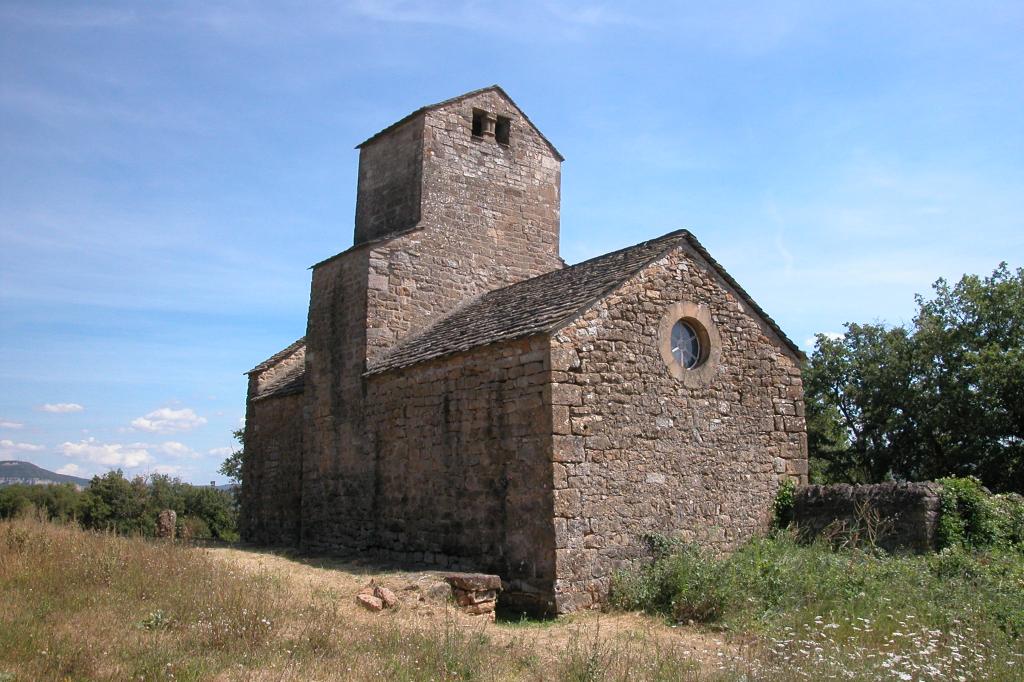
pixel 896 516
pixel 636 451
pixel 271 498
pixel 489 217
pixel 390 183
pixel 462 450
pixel 338 477
pixel 475 593
pixel 165 524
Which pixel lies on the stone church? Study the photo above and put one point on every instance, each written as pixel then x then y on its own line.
pixel 463 399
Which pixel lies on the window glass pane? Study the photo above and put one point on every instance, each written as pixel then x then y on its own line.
pixel 685 345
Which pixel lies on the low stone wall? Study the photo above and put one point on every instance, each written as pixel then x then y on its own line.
pixel 896 516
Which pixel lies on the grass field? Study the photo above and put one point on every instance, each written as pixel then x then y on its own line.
pixel 81 605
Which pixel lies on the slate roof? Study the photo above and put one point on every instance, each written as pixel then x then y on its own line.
pixel 546 303
pixel 438 105
pixel 291 382
pixel 541 304
pixel 279 356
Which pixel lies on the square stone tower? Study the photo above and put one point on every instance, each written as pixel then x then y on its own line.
pixel 456 199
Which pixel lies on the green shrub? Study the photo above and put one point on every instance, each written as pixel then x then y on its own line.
pixel 58 502
pixel 782 505
pixel 1008 510
pixel 192 528
pixel 971 516
pixel 838 603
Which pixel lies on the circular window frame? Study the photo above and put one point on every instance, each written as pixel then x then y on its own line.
pixel 698 317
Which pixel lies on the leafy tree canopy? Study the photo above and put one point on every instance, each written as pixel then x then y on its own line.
pixel 232 466
pixel 943 396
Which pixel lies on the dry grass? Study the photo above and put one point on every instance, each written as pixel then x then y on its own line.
pixel 81 605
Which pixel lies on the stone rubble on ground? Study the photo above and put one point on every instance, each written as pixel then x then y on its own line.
pixel 376 598
pixel 475 594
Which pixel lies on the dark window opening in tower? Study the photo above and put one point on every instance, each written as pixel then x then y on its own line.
pixel 503 129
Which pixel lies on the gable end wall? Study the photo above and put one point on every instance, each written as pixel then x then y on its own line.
pixel 271 494
pixel 636 451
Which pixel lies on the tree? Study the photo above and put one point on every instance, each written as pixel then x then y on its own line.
pixel 232 466
pixel 60 501
pixel 942 397
pixel 112 502
pixel 216 509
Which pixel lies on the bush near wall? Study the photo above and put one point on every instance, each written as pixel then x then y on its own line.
pixel 971 516
pixel 855 613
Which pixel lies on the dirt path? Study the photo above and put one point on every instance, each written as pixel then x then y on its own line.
pixel 342 580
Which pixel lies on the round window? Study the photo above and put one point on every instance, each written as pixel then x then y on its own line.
pixel 685 345
pixel 689 344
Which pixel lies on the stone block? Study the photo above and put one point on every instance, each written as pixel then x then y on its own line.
pixel 473 581
pixel 566 394
pixel 370 602
pixel 568 449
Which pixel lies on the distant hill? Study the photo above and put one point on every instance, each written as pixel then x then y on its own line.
pixel 13 471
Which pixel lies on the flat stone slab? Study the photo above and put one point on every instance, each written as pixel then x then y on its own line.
pixel 473 582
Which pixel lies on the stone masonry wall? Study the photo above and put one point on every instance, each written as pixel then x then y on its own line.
pixel 271 499
pixel 489 218
pixel 390 183
pixel 338 472
pixel 463 457
pixel 904 515
pixel 636 451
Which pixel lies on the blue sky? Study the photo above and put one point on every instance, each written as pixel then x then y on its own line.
pixel 168 171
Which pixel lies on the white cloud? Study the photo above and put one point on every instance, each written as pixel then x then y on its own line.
pixel 167 420
pixel 219 452
pixel 108 454
pixel 10 425
pixel 812 341
pixel 9 447
pixel 71 469
pixel 61 407
pixel 176 449
pixel 167 469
